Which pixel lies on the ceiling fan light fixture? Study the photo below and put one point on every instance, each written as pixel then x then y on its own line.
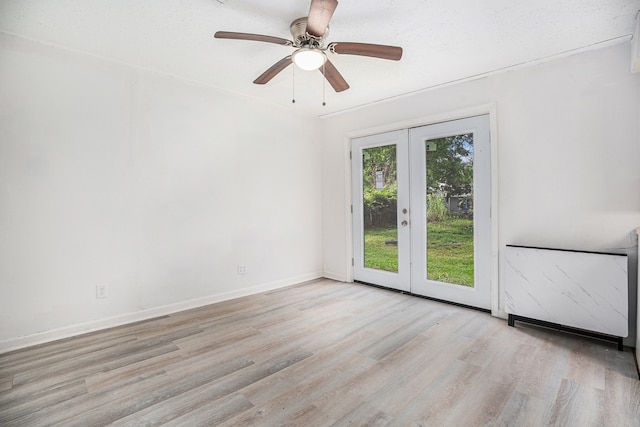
pixel 308 59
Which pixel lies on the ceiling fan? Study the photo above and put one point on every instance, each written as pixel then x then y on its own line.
pixel 309 34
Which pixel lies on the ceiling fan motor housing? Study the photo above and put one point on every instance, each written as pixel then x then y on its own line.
pixel 300 36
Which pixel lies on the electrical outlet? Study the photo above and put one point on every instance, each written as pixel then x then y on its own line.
pixel 242 269
pixel 101 291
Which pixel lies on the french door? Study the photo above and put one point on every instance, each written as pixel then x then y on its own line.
pixel 422 210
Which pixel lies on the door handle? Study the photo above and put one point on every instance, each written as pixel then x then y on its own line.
pixel 404 223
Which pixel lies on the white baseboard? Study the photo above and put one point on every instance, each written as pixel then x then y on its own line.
pixel 83 328
pixel 333 276
pixel 500 314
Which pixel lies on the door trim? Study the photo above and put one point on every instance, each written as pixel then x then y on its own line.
pixel 497 300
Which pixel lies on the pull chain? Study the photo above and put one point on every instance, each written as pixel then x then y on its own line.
pixel 323 85
pixel 293 85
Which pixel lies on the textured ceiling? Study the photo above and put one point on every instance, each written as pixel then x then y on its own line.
pixel 443 40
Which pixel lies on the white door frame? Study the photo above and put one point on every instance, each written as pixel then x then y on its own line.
pixel 496 305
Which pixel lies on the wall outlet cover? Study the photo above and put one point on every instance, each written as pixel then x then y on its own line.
pixel 101 291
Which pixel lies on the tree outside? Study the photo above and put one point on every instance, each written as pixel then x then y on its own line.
pixel 380 186
pixel 450 166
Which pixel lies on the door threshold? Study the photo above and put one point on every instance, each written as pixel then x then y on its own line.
pixel 457 304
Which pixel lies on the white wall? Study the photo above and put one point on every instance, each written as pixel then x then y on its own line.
pixel 567 135
pixel 156 187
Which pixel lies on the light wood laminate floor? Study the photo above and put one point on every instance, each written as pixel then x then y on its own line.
pixel 319 354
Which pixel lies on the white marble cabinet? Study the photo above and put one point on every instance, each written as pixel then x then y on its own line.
pixel 583 290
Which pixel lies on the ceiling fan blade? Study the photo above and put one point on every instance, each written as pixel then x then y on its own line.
pixel 273 70
pixel 320 14
pixel 334 77
pixel 366 49
pixel 254 37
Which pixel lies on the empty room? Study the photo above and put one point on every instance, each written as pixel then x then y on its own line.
pixel 319 213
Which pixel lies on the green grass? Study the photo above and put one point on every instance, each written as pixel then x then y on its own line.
pixel 449 254
pixel 450 251
pixel 377 254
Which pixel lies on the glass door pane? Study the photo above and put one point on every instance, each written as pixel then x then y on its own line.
pixel 380 205
pixel 449 219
